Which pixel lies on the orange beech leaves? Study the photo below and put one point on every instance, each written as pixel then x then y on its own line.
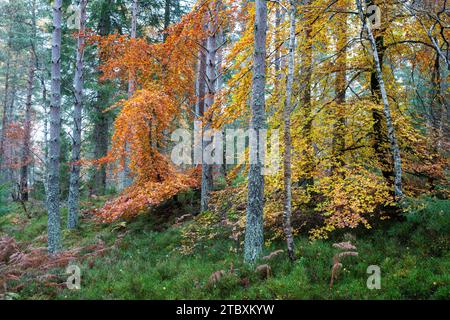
pixel 164 74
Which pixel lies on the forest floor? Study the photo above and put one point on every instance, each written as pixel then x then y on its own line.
pixel 152 257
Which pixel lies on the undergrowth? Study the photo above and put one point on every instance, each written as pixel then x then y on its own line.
pixel 158 259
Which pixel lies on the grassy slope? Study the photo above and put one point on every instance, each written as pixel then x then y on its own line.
pixel 148 264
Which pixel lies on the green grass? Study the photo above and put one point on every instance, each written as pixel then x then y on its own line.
pixel 148 264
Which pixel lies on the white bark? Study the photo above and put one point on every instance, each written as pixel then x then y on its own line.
pixel 211 49
pixel 386 109
pixel 287 136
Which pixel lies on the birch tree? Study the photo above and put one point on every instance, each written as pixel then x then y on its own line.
pixel 211 50
pixel 386 108
pixel 287 135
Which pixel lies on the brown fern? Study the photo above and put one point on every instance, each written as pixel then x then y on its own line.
pixel 337 264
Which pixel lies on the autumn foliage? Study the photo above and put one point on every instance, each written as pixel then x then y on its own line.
pixel 348 177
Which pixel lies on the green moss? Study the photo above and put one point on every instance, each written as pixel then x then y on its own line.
pixel 148 264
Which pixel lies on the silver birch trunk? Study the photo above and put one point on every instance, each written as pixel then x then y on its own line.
pixel 74 186
pixel 211 49
pixel 54 218
pixel 386 109
pixel 287 136
pixel 254 231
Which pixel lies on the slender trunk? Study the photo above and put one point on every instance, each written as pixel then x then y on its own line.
pixel 131 84
pixel 386 108
pixel 26 152
pixel 200 103
pixel 287 136
pixel 5 116
pixel 101 126
pixel 340 87
pixel 277 64
pixel 438 107
pixel 54 218
pixel 166 17
pixel 74 185
pixel 126 175
pixel 306 97
pixel 46 117
pixel 211 49
pixel 254 232
pixel 220 82
pixel 380 138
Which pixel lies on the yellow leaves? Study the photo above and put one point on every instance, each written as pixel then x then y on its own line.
pixel 351 195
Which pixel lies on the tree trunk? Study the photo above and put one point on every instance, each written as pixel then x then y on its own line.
pixel 306 98
pixel 287 136
pixel 126 174
pixel 5 116
pixel 74 186
pixel 101 125
pixel 166 17
pixel 340 87
pixel 199 104
pixel 54 218
pixel 211 48
pixel 380 138
pixel 437 107
pixel 131 84
pixel 26 152
pixel 277 64
pixel 46 118
pixel 220 80
pixel 386 109
pixel 254 233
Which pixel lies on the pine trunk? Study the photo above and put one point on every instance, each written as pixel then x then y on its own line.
pixel 101 126
pixel 254 232
pixel 26 152
pixel 54 218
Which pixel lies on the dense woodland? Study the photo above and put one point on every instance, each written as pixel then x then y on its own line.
pixel 347 168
